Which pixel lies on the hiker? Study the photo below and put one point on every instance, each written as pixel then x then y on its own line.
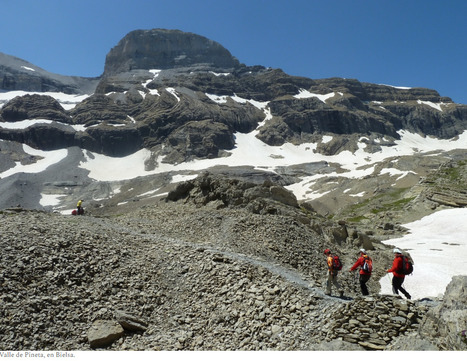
pixel 398 276
pixel 366 266
pixel 80 207
pixel 333 269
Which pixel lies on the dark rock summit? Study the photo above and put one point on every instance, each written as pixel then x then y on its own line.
pixel 165 49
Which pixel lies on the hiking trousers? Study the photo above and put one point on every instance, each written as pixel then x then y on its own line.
pixel 332 280
pixel 363 280
pixel 397 286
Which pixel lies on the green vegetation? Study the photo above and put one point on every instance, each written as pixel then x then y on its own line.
pixel 450 178
pixel 390 201
pixel 452 173
pixel 392 206
pixel 357 219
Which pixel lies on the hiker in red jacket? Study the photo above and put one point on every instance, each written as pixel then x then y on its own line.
pixel 366 266
pixel 398 278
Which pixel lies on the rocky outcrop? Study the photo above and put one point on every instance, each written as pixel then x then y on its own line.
pixel 445 186
pixel 368 92
pixel 265 198
pixel 198 139
pixel 99 109
pixel 42 136
pixel 34 107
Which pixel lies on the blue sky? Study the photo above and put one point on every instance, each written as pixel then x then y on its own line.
pixel 417 43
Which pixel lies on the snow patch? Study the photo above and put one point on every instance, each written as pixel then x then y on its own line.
pixel 303 94
pixel 47 158
pixel 50 199
pixel 436 106
pixel 173 92
pixel 219 74
pixel 27 68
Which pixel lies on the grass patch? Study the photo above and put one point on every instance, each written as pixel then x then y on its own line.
pixel 393 206
pixel 450 174
pixel 390 201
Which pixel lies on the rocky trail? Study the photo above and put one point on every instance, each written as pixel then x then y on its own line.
pixel 288 275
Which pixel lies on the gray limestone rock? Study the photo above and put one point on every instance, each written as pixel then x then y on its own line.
pixel 103 333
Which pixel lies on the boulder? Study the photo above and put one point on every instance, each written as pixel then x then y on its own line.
pixel 103 333
pixel 444 324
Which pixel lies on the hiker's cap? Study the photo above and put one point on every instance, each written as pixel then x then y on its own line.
pixel 327 251
pixel 397 250
pixel 362 250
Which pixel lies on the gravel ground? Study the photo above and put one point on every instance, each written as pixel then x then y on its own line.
pixel 196 284
pixel 199 278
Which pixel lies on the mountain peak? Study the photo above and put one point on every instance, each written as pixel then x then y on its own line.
pixel 165 49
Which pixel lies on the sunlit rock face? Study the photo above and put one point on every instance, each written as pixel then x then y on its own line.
pixel 165 49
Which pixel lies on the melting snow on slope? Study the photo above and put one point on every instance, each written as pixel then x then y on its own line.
pixel 47 158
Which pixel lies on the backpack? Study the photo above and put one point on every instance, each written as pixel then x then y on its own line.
pixel 367 264
pixel 336 263
pixel 407 266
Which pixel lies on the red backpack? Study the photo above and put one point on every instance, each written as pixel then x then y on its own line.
pixel 336 263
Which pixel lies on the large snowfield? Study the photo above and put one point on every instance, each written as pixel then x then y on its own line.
pixel 437 243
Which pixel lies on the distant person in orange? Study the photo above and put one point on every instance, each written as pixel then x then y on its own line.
pixel 334 266
pixel 366 267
